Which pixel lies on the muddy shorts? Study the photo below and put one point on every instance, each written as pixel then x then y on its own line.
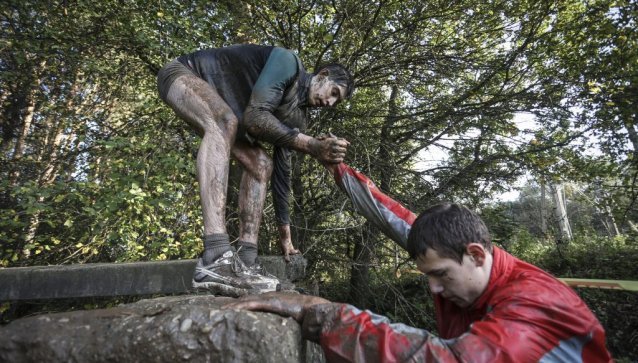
pixel 167 75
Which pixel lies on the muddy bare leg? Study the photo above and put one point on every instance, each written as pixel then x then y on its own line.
pixel 257 167
pixel 200 105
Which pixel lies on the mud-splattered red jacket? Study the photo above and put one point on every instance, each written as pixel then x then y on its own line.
pixel 525 314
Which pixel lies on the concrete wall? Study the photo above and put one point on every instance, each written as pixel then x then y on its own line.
pixel 118 279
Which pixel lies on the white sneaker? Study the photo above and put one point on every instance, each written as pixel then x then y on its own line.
pixel 228 275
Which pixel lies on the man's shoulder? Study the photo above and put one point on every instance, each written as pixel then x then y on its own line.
pixel 530 288
pixel 530 282
pixel 286 57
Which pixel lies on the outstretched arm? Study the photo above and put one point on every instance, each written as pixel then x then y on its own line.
pixel 286 304
pixel 347 334
pixel 390 216
pixel 280 184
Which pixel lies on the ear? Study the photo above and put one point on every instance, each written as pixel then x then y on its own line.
pixel 477 253
pixel 324 72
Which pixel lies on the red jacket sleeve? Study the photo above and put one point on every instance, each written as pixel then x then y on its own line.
pixel 388 215
pixel 508 334
pixel 352 335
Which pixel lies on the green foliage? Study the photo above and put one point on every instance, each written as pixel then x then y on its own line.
pixel 586 256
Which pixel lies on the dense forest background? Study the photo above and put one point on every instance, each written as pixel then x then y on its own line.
pixel 456 100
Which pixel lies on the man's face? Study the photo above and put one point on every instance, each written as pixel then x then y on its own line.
pixel 324 92
pixel 461 283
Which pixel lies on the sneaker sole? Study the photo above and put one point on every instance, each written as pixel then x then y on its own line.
pixel 216 288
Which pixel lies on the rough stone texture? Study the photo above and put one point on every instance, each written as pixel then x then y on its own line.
pixel 169 329
pixel 117 279
pixel 294 270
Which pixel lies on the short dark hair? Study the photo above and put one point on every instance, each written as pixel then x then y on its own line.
pixel 340 75
pixel 447 229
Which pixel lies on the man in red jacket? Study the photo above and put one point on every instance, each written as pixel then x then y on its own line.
pixel 490 306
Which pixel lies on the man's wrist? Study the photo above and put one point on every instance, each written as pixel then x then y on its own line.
pixel 317 317
pixel 306 144
pixel 284 233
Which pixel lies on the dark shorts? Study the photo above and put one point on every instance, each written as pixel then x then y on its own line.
pixel 175 69
pixel 168 74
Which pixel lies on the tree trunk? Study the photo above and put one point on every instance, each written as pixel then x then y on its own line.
pixel 610 223
pixel 8 117
pixel 608 220
pixel 560 211
pixel 386 143
pixel 18 150
pixel 633 135
pixel 360 272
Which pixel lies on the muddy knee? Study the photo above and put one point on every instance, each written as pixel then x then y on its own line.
pixel 224 123
pixel 199 104
pixel 228 122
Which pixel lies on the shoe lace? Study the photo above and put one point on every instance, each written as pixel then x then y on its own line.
pixel 237 265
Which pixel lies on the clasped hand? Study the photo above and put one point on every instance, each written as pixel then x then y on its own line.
pixel 330 149
pixel 288 305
